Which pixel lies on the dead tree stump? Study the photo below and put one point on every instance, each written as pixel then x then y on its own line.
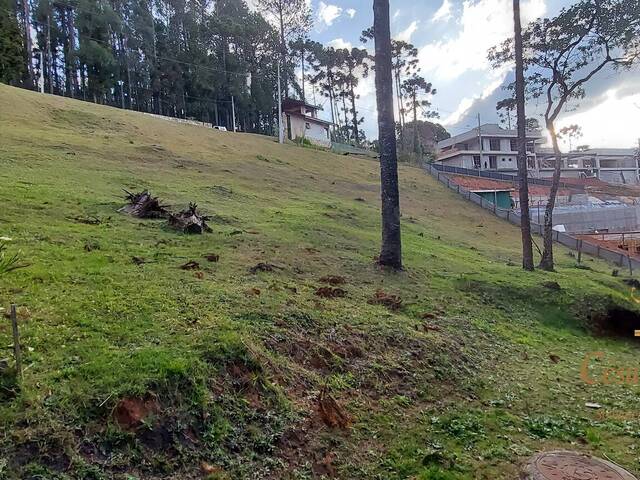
pixel 143 205
pixel 189 221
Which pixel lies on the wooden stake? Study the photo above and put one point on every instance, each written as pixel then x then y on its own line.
pixel 630 266
pixel 16 341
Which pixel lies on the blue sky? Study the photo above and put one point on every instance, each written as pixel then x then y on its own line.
pixel 453 37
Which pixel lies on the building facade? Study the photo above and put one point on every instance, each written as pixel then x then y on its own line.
pixel 301 122
pixel 491 147
pixel 488 147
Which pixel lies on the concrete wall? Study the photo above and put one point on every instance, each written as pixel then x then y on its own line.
pixel 590 218
pixel 616 176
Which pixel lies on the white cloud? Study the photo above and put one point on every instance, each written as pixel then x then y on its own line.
pixel 444 12
pixel 406 34
pixel 339 43
pixel 483 24
pixel 620 132
pixel 351 12
pixel 327 13
pixel 396 15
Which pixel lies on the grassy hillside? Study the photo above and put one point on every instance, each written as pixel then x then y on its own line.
pixel 146 371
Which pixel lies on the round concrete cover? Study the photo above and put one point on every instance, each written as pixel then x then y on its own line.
pixel 565 465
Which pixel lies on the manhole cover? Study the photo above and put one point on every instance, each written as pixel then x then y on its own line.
pixel 562 465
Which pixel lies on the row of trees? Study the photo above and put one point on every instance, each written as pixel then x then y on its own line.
pixel 555 59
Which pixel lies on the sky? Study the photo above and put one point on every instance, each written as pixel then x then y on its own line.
pixel 452 37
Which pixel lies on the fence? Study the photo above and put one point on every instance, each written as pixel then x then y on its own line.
pixel 580 245
pixel 469 172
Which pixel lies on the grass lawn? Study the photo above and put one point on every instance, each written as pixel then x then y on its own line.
pixel 147 371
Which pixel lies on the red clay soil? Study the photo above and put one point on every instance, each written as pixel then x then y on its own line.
pixel 478 184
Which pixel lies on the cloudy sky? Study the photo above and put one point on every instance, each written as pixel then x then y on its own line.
pixel 453 37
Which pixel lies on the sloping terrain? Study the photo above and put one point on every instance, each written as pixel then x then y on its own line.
pixel 292 355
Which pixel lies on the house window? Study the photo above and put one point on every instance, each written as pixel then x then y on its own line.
pixel 513 144
pixel 531 162
pixel 476 161
pixel 307 125
pixel 494 144
pixel 493 161
pixel 530 147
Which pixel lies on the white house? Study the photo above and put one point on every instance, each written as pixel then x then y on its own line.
pixel 489 147
pixel 301 122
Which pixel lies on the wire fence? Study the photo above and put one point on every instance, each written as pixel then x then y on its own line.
pixel 471 172
pixel 579 244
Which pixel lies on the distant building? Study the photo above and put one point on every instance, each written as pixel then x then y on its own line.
pixel 301 122
pixel 495 148
pixel 488 148
pixel 613 165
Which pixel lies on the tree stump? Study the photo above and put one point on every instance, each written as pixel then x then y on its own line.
pixel 143 205
pixel 189 221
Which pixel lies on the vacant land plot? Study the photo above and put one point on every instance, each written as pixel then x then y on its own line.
pixel 273 347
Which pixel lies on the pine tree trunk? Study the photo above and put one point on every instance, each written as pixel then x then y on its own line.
pixel 546 263
pixel 355 114
pixel 525 218
pixel 283 53
pixel 416 143
pixel 391 251
pixel 26 13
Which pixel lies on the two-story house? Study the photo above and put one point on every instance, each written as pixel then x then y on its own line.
pixel 489 147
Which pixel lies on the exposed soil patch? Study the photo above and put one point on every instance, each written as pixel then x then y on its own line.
pixel 392 302
pixel 330 292
pixel 131 412
pixel 264 267
pixel 212 257
pixel 331 413
pixel 333 280
pixel 191 265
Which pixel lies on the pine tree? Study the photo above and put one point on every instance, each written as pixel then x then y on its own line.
pixel 11 46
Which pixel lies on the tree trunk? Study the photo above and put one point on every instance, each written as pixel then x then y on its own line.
pixel 391 251
pixel 283 55
pixel 26 13
pixel 525 218
pixel 48 47
pixel 546 262
pixel 416 143
pixel 399 100
pixel 352 93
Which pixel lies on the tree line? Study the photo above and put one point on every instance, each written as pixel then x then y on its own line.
pixel 198 59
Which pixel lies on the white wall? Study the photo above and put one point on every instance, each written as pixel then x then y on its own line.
pixel 317 133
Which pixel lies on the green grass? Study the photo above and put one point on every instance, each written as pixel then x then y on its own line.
pixel 235 360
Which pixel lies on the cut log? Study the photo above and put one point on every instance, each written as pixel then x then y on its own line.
pixel 189 221
pixel 143 205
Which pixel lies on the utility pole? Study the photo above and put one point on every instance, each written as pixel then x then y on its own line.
pixel 233 113
pixel 280 132
pixel 480 141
